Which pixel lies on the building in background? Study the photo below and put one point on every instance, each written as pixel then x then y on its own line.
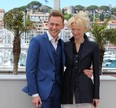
pixel 69 10
pixel 56 4
pixel 40 21
pixel 112 24
pixel 2 11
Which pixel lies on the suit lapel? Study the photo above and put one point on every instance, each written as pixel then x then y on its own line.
pixel 84 51
pixel 85 48
pixel 63 54
pixel 70 51
pixel 48 47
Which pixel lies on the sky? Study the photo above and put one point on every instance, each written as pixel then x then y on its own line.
pixel 10 4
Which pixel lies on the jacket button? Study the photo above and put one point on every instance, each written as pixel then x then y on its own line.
pixel 76 61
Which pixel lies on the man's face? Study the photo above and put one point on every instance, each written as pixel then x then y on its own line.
pixel 55 24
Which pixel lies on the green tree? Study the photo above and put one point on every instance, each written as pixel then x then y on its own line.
pixel 113 11
pixel 45 9
pixel 102 37
pixel 92 8
pixel 79 7
pixel 101 17
pixel 104 8
pixel 14 21
pixel 34 5
pixel 67 16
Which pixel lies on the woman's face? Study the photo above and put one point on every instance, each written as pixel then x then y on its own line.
pixel 77 30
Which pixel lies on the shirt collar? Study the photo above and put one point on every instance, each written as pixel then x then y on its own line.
pixel 51 38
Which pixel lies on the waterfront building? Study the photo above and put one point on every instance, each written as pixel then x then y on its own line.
pixel 56 4
pixel 112 24
pixel 69 10
pixel 2 12
pixel 40 21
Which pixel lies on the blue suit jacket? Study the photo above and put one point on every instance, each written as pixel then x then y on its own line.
pixel 40 66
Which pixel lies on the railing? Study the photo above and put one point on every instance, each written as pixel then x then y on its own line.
pixel 6 61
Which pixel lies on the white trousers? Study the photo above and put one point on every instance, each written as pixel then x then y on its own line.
pixel 83 105
pixel 74 105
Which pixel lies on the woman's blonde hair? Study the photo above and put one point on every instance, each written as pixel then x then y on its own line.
pixel 81 18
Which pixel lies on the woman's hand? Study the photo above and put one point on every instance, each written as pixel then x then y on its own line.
pixel 95 103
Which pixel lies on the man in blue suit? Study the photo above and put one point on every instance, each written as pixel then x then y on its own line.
pixel 45 63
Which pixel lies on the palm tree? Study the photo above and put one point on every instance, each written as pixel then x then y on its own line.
pixel 14 21
pixel 102 35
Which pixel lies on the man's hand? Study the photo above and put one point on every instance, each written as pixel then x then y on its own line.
pixel 88 72
pixel 36 101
